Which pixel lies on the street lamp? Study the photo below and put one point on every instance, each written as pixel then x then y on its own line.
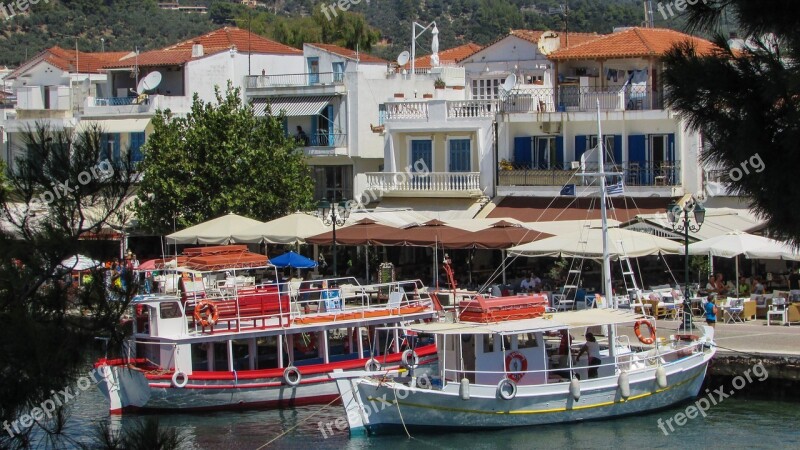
pixel 679 220
pixel 336 216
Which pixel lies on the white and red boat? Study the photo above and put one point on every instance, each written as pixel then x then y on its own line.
pixel 222 340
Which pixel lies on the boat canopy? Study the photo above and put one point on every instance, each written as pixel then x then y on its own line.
pixel 554 321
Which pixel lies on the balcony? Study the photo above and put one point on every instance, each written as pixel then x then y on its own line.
pixel 469 109
pixel 323 144
pixel 297 83
pixel 430 184
pixel 147 105
pixel 407 111
pixel 583 99
pixel 634 174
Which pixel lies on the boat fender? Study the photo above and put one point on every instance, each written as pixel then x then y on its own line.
pixel 650 340
pixel 507 389
pixel 463 389
pixel 179 379
pixel 409 359
pixel 424 382
pixel 292 376
pixel 575 389
pixel 661 377
pixel 372 365
pixel 624 385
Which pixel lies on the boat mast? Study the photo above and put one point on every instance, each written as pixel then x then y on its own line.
pixel 604 221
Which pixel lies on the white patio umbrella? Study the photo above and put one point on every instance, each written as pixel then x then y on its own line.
pixel 735 243
pixel 79 263
pixel 217 231
pixel 290 229
pixel 588 243
pixel 435 47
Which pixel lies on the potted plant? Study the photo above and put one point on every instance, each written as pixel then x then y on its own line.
pixel 427 95
pixel 506 165
pixel 399 95
pixel 439 84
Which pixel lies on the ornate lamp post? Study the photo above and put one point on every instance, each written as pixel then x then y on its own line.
pixel 336 216
pixel 679 219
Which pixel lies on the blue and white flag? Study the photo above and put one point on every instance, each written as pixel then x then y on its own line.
pixel 615 189
pixel 568 189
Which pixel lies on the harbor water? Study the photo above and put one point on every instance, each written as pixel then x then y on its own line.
pixel 735 422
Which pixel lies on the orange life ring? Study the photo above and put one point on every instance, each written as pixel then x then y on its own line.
pixel 517 365
pixel 305 346
pixel 206 313
pixel 645 340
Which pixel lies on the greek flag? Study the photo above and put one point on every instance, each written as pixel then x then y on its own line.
pixel 568 189
pixel 616 189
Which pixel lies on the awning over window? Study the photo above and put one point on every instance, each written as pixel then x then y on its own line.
pixel 115 125
pixel 293 106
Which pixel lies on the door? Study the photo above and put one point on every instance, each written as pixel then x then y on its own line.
pixel 137 140
pixel 459 161
pixel 421 149
pixel 313 70
pixel 658 159
pixel 324 128
pixel 338 72
pixel 545 152
pixel 637 160
pixel 522 152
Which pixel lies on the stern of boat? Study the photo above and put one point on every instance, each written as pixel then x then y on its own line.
pixel 124 387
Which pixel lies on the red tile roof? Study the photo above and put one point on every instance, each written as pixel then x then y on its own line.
pixel 632 43
pixel 574 38
pixel 452 55
pixel 214 42
pixel 349 54
pixel 66 60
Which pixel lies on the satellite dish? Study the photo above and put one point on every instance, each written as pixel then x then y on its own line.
pixel 548 42
pixel 509 83
pixel 403 58
pixel 149 83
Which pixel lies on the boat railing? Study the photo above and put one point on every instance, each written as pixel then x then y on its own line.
pixel 630 362
pixel 286 304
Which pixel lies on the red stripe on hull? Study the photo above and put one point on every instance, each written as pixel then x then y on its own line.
pixel 283 403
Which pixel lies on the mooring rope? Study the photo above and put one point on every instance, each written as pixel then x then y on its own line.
pixel 300 423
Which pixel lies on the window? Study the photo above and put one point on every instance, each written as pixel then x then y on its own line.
pixel 169 310
pixel 488 343
pixel 609 147
pixel 338 71
pixel 333 182
pixel 137 140
pixel 459 156
pixel 545 155
pixel 486 88
pixel 526 340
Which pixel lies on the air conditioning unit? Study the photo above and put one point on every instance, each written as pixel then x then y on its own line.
pixel 575 165
pixel 551 127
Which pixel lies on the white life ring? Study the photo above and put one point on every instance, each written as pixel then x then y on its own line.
pixel 502 387
pixel 292 376
pixel 182 376
pixel 372 365
pixel 409 359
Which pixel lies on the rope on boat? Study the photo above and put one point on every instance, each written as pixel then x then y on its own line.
pixel 753 355
pixel 300 423
pixel 399 413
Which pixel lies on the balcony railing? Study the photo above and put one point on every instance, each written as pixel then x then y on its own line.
pixel 407 110
pixel 575 98
pixel 424 181
pixel 324 140
pixel 471 108
pixel 115 101
pixel 634 173
pixel 294 80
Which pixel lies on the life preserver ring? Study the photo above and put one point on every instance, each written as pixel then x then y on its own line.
pixel 308 344
pixel 292 376
pixel 409 359
pixel 372 365
pixel 206 313
pixel 516 365
pixel 645 340
pixel 506 389
pixel 183 379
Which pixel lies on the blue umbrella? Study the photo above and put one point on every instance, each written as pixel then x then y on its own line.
pixel 292 259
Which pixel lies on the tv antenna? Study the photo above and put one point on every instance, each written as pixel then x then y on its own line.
pixel 562 10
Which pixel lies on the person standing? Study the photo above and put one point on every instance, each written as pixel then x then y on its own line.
pixel 710 310
pixel 592 349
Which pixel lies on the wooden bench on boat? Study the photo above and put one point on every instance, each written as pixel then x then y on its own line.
pixel 256 304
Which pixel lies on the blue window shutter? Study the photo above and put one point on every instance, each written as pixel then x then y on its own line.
pixel 637 153
pixel 522 152
pixel 421 149
pixel 618 148
pixel 671 147
pixel 459 155
pixel 117 147
pixel 331 137
pixel 137 140
pixel 581 142
pixel 313 130
pixel 560 151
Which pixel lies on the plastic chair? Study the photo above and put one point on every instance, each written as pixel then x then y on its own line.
pixel 777 308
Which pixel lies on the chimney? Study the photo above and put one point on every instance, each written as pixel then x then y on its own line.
pixel 197 50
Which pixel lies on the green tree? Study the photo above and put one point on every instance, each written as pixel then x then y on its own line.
pixel 746 103
pixel 220 158
pixel 57 193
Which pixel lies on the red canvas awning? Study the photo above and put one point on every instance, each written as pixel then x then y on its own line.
pixel 363 232
pixel 548 209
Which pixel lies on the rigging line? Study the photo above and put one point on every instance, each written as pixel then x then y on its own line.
pixel 301 422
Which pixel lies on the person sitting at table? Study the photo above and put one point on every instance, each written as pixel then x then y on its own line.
pixel 744 287
pixel 711 286
pixel 531 283
pixel 758 286
pixel 719 284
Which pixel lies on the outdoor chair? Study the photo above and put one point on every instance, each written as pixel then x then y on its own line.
pixel 777 309
pixel 732 310
pixel 560 302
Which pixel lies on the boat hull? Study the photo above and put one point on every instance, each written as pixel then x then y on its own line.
pixel 129 389
pixel 375 407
